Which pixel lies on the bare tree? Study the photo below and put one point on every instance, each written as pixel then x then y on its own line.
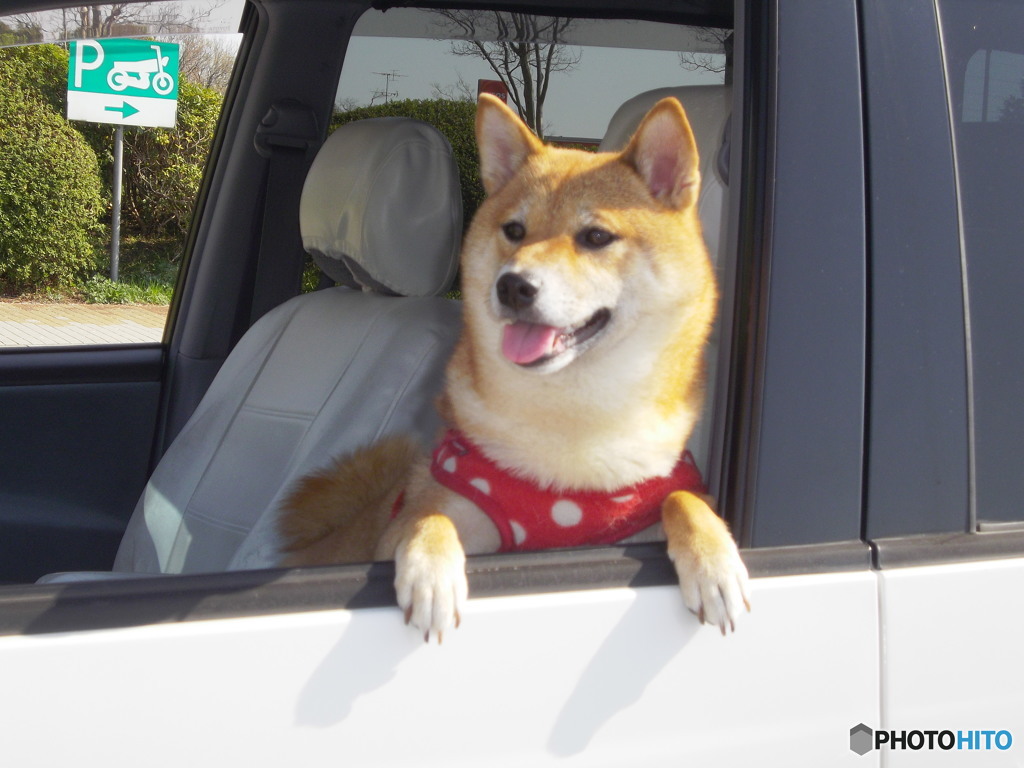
pixel 206 60
pixel 21 32
pixel 522 50
pixel 120 20
pixel 714 61
pixel 458 91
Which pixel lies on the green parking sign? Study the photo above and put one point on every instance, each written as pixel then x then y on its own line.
pixel 125 82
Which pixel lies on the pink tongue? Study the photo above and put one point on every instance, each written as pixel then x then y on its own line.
pixel 524 343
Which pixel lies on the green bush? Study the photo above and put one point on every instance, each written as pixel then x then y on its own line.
pixel 43 68
pixel 50 200
pixel 55 176
pixel 164 167
pixel 455 119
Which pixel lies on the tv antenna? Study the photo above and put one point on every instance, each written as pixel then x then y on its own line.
pixel 387 93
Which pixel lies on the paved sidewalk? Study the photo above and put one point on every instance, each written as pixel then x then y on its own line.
pixel 33 324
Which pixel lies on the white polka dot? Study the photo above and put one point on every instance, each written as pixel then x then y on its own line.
pixel 481 485
pixel 450 464
pixel 566 513
pixel 518 532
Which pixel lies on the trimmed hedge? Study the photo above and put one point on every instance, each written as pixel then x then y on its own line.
pixel 455 119
pixel 41 69
pixel 50 195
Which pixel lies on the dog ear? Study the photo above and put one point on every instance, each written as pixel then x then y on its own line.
pixel 664 153
pixel 503 140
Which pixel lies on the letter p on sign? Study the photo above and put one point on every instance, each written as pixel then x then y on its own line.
pixel 81 65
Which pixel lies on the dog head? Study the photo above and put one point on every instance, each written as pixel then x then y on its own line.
pixel 573 250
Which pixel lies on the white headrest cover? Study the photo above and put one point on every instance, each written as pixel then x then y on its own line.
pixel 707 107
pixel 381 207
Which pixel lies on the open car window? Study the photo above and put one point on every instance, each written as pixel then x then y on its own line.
pixel 108 113
pixel 586 89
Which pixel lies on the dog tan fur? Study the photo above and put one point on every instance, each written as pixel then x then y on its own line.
pixel 589 297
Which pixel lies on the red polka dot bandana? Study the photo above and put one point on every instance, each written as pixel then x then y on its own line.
pixel 529 517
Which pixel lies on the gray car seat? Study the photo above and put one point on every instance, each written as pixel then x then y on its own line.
pixel 326 372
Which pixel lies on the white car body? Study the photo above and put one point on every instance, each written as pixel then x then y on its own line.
pixel 598 677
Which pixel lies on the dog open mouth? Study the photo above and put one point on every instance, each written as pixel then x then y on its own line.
pixel 532 344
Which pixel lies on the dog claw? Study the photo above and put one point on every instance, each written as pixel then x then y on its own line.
pixel 408 615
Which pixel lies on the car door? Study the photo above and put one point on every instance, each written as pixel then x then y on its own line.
pixel 81 412
pixel 579 656
pixel 943 513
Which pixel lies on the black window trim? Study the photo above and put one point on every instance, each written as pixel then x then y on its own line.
pixel 150 600
pixel 134 601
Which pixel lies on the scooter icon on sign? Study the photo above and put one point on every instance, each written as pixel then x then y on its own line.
pixel 136 74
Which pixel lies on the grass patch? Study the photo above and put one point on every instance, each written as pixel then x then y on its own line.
pixel 148 270
pixel 103 290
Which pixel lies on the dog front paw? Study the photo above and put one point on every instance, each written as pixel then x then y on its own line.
pixel 715 587
pixel 430 577
pixel 712 576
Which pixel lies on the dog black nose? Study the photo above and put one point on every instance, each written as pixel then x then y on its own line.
pixel 515 291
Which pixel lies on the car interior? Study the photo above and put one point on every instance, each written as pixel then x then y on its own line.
pixel 246 411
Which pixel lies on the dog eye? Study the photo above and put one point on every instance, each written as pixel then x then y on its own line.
pixel 514 231
pixel 595 237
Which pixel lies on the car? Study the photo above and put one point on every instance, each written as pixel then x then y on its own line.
pixel 863 438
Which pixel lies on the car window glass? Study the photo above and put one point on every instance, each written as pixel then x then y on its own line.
pixel 65 279
pixel 592 66
pixel 432 65
pixel 984 59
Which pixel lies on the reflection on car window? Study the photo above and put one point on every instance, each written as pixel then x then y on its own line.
pixel 62 280
pixel 984 58
pixel 589 67
pixel 992 87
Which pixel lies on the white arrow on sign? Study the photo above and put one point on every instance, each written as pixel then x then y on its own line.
pixel 121 110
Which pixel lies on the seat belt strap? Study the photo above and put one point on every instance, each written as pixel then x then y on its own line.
pixel 288 136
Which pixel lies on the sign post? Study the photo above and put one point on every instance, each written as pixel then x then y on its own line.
pixel 115 216
pixel 123 82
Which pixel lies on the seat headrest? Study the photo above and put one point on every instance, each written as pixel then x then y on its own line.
pixel 381 208
pixel 707 108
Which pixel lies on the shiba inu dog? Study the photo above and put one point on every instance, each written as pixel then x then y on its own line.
pixel 574 386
